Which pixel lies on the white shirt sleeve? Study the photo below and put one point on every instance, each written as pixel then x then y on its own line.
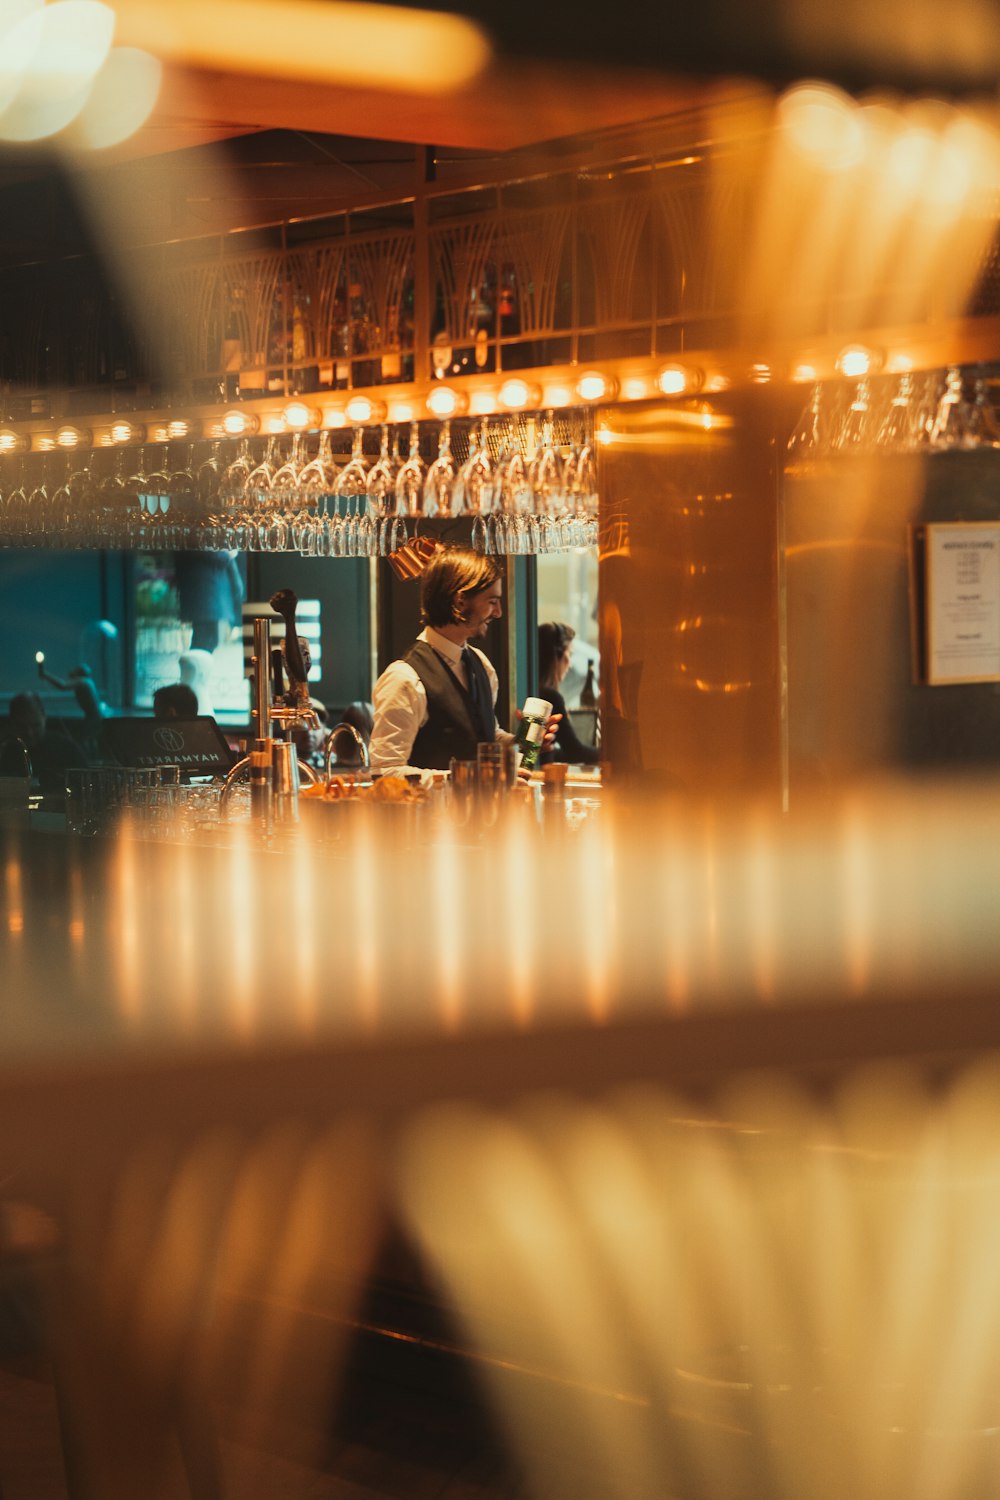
pixel 400 705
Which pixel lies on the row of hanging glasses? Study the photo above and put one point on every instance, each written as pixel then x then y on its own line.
pixel 526 487
pixel 935 411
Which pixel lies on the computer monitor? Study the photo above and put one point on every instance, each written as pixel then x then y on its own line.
pixel 198 745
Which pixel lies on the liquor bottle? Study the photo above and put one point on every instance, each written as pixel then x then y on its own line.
pixel 588 693
pixel 531 730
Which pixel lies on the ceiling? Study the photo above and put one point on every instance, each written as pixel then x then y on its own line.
pixel 224 151
pixel 226 148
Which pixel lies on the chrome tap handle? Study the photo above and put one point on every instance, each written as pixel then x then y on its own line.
pixel 360 739
pixel 284 603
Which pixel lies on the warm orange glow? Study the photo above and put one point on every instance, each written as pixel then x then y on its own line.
pixel 678 380
pixel 361 409
pixel 823 125
pixel 239 423
pixel 122 98
pixel 516 394
pixel 442 401
pixel 124 431
pixel 300 417
pixel 855 361
pixel 334 42
pixel 51 56
pixel 593 386
pixel 72 437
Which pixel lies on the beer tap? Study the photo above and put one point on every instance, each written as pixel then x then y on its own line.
pixel 275 769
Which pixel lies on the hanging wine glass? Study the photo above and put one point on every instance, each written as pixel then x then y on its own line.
pixel 135 513
pixel 56 513
pixel 232 487
pixel 208 475
pixel 984 427
pixel 287 475
pixel 927 400
pixel 580 485
pixel 474 485
pixel 154 502
pixel 381 487
pixel 546 476
pixel 284 496
pixel 17 504
pixel 209 532
pixel 181 499
pixel 855 432
pixel 258 498
pixel 810 436
pixel 950 428
pixel 63 514
pixel 895 434
pixel 409 491
pixel 44 518
pixel 112 503
pixel 440 477
pixel 351 491
pixel 514 492
pixel 312 524
pixel 76 519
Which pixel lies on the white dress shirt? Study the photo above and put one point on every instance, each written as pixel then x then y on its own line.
pixel 400 703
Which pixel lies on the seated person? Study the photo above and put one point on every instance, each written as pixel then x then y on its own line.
pixel 175 701
pixel 554 642
pixel 49 752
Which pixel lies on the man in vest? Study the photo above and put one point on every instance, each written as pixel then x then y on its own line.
pixel 438 702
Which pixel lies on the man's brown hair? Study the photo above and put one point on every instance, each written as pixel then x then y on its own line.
pixel 450 580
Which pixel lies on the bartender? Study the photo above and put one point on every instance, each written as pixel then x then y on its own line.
pixel 438 702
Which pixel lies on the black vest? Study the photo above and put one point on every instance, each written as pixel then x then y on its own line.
pixel 454 724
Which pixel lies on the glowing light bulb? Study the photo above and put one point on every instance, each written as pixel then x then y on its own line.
pixel 593 386
pixel 855 361
pixel 124 431
pixel 516 393
pixel 674 380
pixel 444 402
pixel 300 417
pixel 72 437
pixel 238 423
pixel 364 409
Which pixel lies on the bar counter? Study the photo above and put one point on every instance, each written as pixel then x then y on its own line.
pixel 685 1116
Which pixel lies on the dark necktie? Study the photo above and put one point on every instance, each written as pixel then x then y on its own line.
pixel 472 678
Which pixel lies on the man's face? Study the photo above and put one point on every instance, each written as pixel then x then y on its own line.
pixel 482 608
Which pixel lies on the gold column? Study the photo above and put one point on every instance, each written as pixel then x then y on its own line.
pixel 690 618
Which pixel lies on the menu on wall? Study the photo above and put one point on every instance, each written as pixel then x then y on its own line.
pixel 963 602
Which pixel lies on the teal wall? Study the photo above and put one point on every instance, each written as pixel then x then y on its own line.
pixel 50 601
